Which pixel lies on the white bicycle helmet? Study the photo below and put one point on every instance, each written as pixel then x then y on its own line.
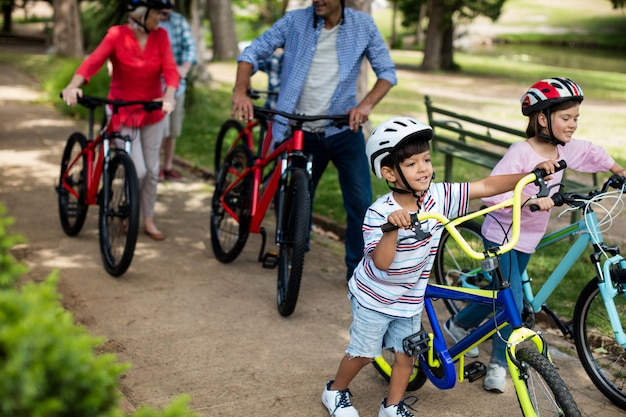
pixel 390 134
pixel 548 92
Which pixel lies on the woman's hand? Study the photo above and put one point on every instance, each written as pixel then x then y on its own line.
pixel 70 95
pixel 169 102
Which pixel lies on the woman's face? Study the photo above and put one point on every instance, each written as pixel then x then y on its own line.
pixel 564 123
pixel 152 21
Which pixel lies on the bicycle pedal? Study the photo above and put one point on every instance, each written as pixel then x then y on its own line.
pixel 475 370
pixel 270 260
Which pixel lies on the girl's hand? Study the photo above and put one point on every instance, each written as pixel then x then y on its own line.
pixel 400 218
pixel 549 166
pixel 544 203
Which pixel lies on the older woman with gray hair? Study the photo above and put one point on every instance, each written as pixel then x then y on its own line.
pixel 141 57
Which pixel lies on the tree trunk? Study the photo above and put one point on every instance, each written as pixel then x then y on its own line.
pixel 447 47
pixel 67 38
pixel 7 8
pixel 199 70
pixel 434 36
pixel 223 30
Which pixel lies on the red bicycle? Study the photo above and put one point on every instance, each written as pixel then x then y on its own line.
pixel 243 194
pixel 94 171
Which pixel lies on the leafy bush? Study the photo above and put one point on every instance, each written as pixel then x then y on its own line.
pixel 48 365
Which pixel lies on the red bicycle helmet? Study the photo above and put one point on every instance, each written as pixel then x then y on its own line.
pixel 548 92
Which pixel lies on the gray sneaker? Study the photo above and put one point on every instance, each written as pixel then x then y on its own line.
pixel 338 402
pixel 396 409
pixel 457 333
pixel 495 380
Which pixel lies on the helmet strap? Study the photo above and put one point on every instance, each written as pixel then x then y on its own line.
pixel 553 140
pixel 142 25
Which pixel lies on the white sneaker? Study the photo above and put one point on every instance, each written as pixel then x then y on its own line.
pixel 457 333
pixel 495 380
pixel 396 409
pixel 338 402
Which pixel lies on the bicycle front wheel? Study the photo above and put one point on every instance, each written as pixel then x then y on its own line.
pixel 602 357
pixel 72 204
pixel 384 364
pixel 119 214
pixel 454 267
pixel 226 138
pixel 544 392
pixel 293 240
pixel 230 213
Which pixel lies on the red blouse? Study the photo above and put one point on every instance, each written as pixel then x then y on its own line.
pixel 136 73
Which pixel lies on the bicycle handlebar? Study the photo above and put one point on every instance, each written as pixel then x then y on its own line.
pixel 535 177
pixel 92 102
pixel 338 120
pixel 578 200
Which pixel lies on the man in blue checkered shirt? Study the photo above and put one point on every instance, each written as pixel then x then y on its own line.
pixel 324 46
pixel 185 55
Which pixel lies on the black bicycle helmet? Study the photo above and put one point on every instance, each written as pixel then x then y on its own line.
pixel 548 92
pixel 150 4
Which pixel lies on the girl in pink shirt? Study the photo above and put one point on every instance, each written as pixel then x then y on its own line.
pixel 141 59
pixel 552 106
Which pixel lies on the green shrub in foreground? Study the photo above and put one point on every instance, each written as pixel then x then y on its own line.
pixel 48 366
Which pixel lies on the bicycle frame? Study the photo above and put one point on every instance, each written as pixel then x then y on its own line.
pixel 261 199
pixel 581 229
pixel 96 161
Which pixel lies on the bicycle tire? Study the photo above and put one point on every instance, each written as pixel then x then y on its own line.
pixel 296 212
pixel 602 357
pixel 118 222
pixel 229 233
pixel 226 138
pixel 384 363
pixel 548 394
pixel 451 262
pixel 72 209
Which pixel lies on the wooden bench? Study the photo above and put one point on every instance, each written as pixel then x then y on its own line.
pixel 483 143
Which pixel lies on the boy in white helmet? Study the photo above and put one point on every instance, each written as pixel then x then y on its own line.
pixel 388 285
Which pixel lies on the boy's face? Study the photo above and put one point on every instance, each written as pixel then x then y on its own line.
pixel 417 170
pixel 564 123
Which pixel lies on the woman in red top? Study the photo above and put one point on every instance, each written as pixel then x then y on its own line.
pixel 141 59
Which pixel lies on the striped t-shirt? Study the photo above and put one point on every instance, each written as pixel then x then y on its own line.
pixel 399 291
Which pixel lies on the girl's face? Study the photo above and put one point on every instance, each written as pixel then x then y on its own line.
pixel 564 123
pixel 417 170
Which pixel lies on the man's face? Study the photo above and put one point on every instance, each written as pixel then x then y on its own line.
pixel 164 15
pixel 327 8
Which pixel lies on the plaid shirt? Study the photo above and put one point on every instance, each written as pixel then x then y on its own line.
pixel 182 41
pixel 358 37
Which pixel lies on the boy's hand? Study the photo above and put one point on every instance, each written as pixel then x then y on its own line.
pixel 400 218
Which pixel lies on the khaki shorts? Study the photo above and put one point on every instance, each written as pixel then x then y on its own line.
pixel 174 121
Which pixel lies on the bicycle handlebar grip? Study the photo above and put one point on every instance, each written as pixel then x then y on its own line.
pixel 388 227
pixel 541 173
pixel 557 198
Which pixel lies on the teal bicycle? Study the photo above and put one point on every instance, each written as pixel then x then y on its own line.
pixel 600 312
pixel 539 388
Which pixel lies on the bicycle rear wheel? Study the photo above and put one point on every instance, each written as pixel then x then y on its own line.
pixel 119 214
pixel 602 357
pixel 293 236
pixel 454 267
pixel 545 392
pixel 226 138
pixel 73 207
pixel 230 213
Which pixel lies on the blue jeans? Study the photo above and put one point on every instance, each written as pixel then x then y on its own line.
pixel 346 150
pixel 513 264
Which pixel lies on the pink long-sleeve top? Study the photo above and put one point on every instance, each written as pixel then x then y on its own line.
pixel 136 73
pixel 580 155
